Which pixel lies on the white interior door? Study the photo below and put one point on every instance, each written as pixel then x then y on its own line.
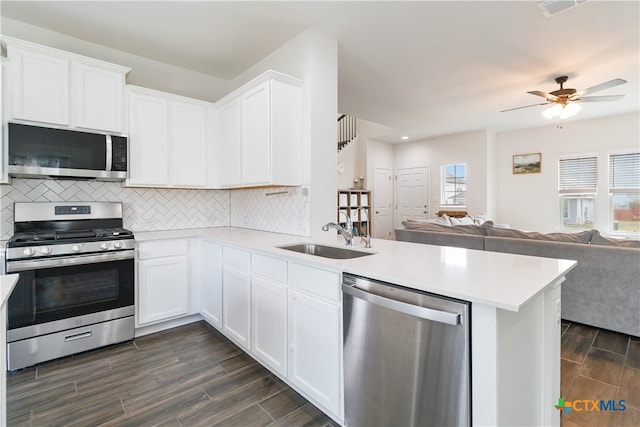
pixel 412 194
pixel 382 204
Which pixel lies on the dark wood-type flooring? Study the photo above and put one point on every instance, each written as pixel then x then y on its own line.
pixel 598 365
pixel 194 376
pixel 186 376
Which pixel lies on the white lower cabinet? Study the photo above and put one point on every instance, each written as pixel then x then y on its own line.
pixel 236 295
pixel 314 348
pixel 211 283
pixel 236 303
pixel 286 315
pixel 269 323
pixel 163 280
pixel 315 344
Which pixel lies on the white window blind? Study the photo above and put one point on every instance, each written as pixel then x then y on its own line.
pixel 624 173
pixel 578 175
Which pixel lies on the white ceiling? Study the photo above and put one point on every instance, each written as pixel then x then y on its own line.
pixel 421 68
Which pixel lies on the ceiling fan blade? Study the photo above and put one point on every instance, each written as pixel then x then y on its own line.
pixel 544 95
pixel 526 106
pixel 601 86
pixel 606 98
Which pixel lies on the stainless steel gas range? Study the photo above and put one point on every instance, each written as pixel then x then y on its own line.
pixel 76 285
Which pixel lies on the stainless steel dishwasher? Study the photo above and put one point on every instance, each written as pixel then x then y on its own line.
pixel 406 356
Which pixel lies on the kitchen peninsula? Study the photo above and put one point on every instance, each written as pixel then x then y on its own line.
pixel 515 309
pixel 7 283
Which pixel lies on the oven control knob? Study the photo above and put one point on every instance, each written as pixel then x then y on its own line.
pixel 45 250
pixel 117 245
pixel 76 248
pixel 104 246
pixel 29 251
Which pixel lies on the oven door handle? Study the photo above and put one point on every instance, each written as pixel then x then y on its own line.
pixel 24 265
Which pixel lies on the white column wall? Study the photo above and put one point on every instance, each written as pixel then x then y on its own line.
pixel 313 57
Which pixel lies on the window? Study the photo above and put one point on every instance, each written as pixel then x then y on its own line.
pixel 577 188
pixel 624 192
pixel 454 185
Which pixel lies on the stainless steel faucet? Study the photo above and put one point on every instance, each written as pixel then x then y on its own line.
pixel 366 239
pixel 347 232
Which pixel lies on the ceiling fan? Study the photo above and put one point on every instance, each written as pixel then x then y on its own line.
pixel 564 99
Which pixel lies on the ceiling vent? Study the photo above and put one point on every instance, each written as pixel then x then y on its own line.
pixel 552 7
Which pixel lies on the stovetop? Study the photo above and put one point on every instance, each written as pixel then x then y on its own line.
pixel 31 238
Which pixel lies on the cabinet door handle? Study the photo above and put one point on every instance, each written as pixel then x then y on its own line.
pixel 292 347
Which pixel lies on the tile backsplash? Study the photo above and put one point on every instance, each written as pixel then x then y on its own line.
pixel 144 209
pixel 279 210
pixel 151 209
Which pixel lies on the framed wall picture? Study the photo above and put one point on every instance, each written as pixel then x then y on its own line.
pixel 527 163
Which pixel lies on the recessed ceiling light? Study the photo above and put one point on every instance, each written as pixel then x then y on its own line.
pixel 404 137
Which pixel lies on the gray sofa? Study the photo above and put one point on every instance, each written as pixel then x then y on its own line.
pixel 603 290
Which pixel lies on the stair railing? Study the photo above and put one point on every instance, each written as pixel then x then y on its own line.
pixel 346 130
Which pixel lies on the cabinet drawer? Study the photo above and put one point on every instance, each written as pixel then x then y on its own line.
pixel 316 281
pixel 162 248
pixel 236 257
pixel 269 267
pixel 211 251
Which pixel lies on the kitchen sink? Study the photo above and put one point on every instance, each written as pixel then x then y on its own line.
pixel 325 251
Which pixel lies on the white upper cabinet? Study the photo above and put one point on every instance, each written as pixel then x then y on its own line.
pixel 261 133
pixel 52 86
pixel 40 85
pixel 230 142
pixel 170 140
pixel 188 144
pixel 98 97
pixel 256 138
pixel 148 140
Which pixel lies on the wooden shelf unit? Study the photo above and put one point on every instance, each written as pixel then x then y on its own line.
pixel 348 202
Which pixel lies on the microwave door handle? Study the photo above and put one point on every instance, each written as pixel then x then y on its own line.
pixel 109 150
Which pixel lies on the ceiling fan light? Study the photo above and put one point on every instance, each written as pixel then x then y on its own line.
pixel 551 112
pixel 570 110
pixel 562 111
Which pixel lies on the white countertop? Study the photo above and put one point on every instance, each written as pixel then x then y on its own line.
pixel 499 280
pixel 6 286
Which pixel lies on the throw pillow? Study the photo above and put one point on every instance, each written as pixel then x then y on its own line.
pixel 465 220
pixel 481 219
pixel 599 239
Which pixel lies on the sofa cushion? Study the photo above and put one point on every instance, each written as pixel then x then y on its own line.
pixel 599 239
pixel 458 229
pixel 581 237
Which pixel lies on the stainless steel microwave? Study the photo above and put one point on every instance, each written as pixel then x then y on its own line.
pixel 42 152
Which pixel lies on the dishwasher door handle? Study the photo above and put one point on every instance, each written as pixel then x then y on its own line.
pixel 403 307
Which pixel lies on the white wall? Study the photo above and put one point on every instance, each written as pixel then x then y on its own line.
pixel 144 72
pixel 353 158
pixel 379 155
pixel 530 202
pixel 313 57
pixel 471 148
